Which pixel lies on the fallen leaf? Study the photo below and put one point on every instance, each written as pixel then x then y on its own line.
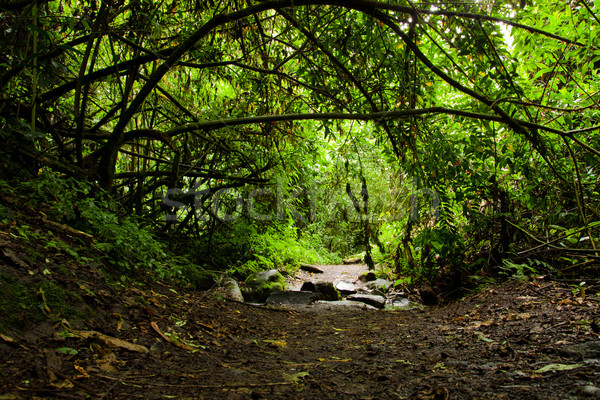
pixel 179 343
pixel 557 367
pixel 8 339
pixel 81 371
pixel 111 341
pixel 481 336
pixel 276 343
pixel 517 317
pixel 295 378
pixel 67 350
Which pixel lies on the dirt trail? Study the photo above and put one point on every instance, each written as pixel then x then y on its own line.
pixel 517 341
pixel 331 273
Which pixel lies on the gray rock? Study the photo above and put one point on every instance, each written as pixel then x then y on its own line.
pixel 232 290
pixel 401 302
pixel 583 350
pixel 370 299
pixel 311 268
pixel 292 297
pixel 591 391
pixel 345 287
pixel 367 276
pixel 308 287
pixel 261 284
pixel 377 292
pixel 327 291
pixel 344 303
pixel 380 284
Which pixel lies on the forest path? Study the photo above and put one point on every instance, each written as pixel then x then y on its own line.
pixel 331 273
pixel 513 341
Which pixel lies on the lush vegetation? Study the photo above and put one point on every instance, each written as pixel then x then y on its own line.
pixel 446 142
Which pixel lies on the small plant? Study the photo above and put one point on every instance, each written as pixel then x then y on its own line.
pixel 516 271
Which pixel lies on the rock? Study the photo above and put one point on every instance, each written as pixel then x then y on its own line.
pixel 292 297
pixel 428 296
pixel 232 290
pixel 327 291
pixel 345 287
pixel 311 268
pixel 591 391
pixel 344 303
pixel 261 284
pixel 353 260
pixel 582 351
pixel 308 287
pixel 380 284
pixel 399 303
pixel 370 299
pixel 367 276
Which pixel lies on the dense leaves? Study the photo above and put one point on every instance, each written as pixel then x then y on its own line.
pixel 474 125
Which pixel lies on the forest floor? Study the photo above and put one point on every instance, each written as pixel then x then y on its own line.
pixel 517 340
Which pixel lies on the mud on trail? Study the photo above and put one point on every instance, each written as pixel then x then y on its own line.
pixel 514 341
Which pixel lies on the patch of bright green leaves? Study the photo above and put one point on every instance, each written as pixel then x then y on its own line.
pixel 122 242
pixel 283 249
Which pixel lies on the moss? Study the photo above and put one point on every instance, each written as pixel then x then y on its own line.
pixel 20 306
pixel 64 302
pixel 261 284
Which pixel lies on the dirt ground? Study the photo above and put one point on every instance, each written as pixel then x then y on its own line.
pixel 536 340
pixel 83 338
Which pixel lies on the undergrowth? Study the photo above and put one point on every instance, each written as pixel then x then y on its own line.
pixel 129 249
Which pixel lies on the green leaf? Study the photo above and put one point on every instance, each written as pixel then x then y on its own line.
pixel 68 351
pixel 295 378
pixel 557 367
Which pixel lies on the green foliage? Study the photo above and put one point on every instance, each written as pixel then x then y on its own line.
pixel 123 241
pixel 511 147
pixel 438 249
pixel 517 271
pixel 282 249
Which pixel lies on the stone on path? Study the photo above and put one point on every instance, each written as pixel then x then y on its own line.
pixel 345 287
pixel 308 287
pixel 367 276
pixel 370 299
pixel 327 291
pixel 343 303
pixel 292 297
pixel 263 283
pixel 311 268
pixel 380 284
pixel 232 290
pixel 399 303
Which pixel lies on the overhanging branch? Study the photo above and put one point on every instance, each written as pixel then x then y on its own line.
pixel 376 117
